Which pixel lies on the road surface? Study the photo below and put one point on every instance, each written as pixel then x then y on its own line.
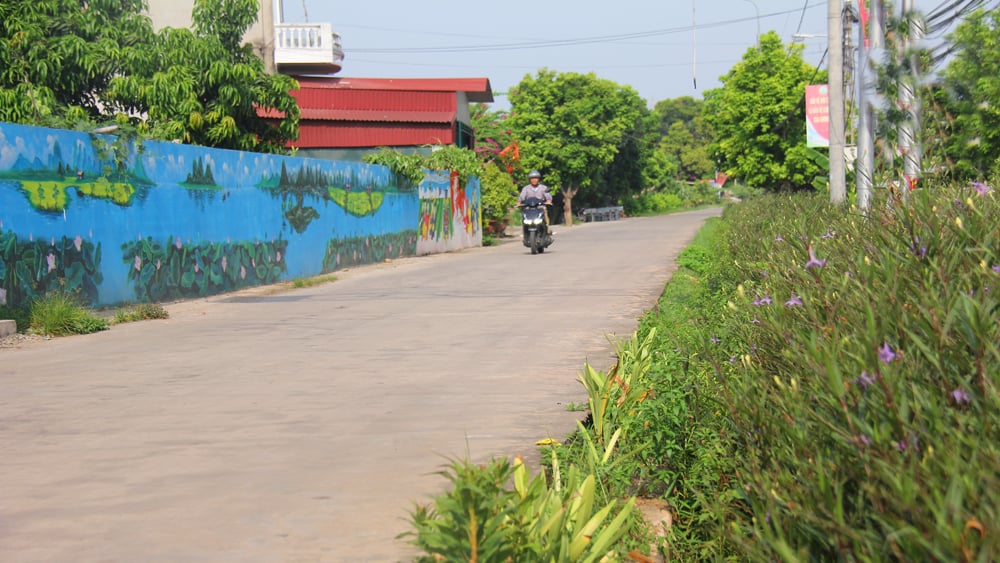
pixel 302 425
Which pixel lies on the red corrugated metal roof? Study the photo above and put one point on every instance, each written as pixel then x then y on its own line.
pixel 372 112
pixel 378 115
pixel 476 89
pixel 345 134
pixel 391 100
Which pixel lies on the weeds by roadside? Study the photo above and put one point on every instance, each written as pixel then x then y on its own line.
pixel 299 283
pixel 140 312
pixel 59 314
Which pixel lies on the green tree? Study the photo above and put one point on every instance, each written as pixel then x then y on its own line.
pixel 625 175
pixel 571 127
pixel 684 109
pixel 973 80
pixel 63 63
pixel 204 89
pixel 758 117
pixel 58 56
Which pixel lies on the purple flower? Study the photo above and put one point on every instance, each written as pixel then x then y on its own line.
pixel 981 188
pixel 960 396
pixel 761 301
pixel 795 300
pixel 864 380
pixel 996 269
pixel 886 354
pixel 830 234
pixel 755 321
pixel 901 445
pixel 715 339
pixel 813 261
pixel 732 359
pixel 778 239
pixel 864 439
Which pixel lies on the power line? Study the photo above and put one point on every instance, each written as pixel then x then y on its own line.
pixel 563 42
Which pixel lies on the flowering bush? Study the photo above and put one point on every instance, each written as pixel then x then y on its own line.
pixel 858 366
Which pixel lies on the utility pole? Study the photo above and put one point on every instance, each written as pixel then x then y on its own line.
pixel 864 166
pixel 835 38
pixel 908 143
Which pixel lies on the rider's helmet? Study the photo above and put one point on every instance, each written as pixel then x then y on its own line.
pixel 534 174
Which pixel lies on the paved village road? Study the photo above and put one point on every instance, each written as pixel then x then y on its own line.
pixel 301 426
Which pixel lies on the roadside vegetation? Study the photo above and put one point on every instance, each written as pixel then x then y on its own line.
pixel 61 314
pixel 140 312
pixel 814 384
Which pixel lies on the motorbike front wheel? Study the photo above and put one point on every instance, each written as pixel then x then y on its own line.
pixel 533 242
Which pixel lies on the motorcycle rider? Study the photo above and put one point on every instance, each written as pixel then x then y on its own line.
pixel 536 189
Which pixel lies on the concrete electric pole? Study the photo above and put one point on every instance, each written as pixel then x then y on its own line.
pixel 909 145
pixel 835 35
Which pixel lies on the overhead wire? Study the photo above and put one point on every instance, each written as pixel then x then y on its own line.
pixel 564 42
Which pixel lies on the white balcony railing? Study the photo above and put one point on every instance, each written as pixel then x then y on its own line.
pixel 312 45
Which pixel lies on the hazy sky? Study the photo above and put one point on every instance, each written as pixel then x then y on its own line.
pixel 648 44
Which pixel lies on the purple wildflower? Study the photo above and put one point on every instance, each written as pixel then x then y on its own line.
pixel 778 239
pixel 960 396
pixel 761 301
pixel 794 301
pixel 715 339
pixel 732 359
pixel 981 188
pixel 996 269
pixel 830 234
pixel 813 261
pixel 864 439
pixel 901 445
pixel 755 321
pixel 886 354
pixel 864 380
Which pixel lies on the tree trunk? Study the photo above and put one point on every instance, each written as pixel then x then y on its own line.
pixel 568 193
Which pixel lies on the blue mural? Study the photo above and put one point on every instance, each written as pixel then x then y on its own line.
pixel 114 221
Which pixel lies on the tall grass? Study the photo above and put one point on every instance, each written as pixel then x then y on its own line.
pixel 60 314
pixel 842 376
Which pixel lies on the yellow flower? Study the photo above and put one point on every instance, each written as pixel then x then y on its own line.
pixel 958 221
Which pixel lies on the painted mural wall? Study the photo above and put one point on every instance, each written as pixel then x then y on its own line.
pixel 114 221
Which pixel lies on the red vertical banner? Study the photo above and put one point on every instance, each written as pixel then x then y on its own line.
pixel 818 115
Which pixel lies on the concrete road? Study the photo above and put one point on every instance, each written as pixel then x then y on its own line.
pixel 302 425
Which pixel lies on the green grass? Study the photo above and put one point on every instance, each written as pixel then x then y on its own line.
pixel 61 315
pixel 140 312
pixel 300 283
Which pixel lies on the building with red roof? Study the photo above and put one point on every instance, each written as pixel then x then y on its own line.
pixel 343 118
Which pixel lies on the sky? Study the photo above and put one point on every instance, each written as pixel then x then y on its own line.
pixel 662 48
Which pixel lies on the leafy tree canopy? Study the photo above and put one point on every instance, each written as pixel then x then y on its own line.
pixel 973 81
pixel 63 63
pixel 758 116
pixel 571 127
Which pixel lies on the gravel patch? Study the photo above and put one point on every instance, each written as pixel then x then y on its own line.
pixel 18 340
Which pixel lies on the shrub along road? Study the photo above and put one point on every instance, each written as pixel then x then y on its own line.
pixel 302 425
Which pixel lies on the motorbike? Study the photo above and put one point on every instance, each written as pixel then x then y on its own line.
pixel 535 234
